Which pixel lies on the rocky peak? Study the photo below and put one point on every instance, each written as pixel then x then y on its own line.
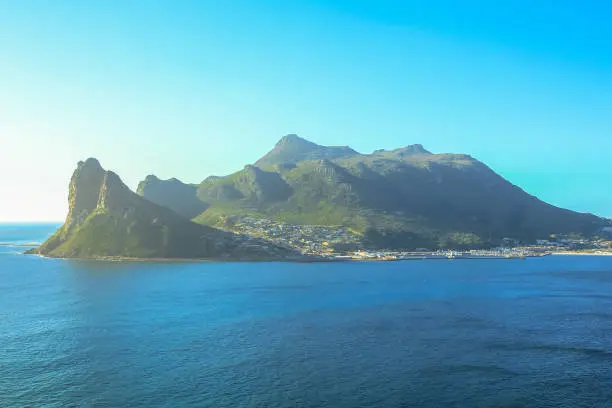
pixel 91 162
pixel 84 191
pixel 152 182
pixel 410 150
pixel 293 139
pixel 92 187
pixel 211 179
pixel 114 194
pixel 415 149
pixel 292 149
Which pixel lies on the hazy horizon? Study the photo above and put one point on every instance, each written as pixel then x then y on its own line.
pixel 191 89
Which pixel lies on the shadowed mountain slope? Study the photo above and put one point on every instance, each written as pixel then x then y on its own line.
pixel 173 194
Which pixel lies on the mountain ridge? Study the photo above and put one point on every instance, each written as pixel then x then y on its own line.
pixel 291 149
pixel 406 197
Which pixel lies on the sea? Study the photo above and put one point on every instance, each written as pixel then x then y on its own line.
pixel 427 333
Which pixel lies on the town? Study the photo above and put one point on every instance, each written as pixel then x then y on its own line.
pixel 342 243
pixel 309 239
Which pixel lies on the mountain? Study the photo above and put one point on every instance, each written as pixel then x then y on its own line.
pixel 292 149
pixel 106 219
pixel 402 198
pixel 173 194
pixel 250 184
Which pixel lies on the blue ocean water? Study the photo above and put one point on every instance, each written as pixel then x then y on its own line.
pixel 461 333
pixel 17 233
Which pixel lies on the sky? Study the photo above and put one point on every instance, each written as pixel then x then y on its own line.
pixel 188 89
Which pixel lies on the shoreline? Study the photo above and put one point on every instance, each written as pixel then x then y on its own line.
pixel 305 259
pixel 183 260
pixel 581 254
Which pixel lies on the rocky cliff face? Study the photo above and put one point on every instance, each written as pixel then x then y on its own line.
pixel 115 197
pixel 106 219
pixel 83 192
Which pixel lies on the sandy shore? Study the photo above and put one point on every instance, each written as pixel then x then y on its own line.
pixel 582 254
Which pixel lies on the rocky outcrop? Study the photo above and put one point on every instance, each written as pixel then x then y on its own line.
pixel 106 219
pixel 83 192
pixel 292 149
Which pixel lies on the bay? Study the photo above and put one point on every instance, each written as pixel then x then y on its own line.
pixel 452 333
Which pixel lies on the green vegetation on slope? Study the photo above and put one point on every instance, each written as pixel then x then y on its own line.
pixel 106 219
pixel 403 198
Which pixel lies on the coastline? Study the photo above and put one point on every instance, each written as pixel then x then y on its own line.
pixel 303 259
pixel 275 260
pixel 581 254
pixel 181 260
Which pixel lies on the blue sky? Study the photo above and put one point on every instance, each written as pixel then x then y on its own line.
pixel 192 88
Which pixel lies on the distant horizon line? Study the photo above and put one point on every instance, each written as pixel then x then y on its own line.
pixel 4 222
